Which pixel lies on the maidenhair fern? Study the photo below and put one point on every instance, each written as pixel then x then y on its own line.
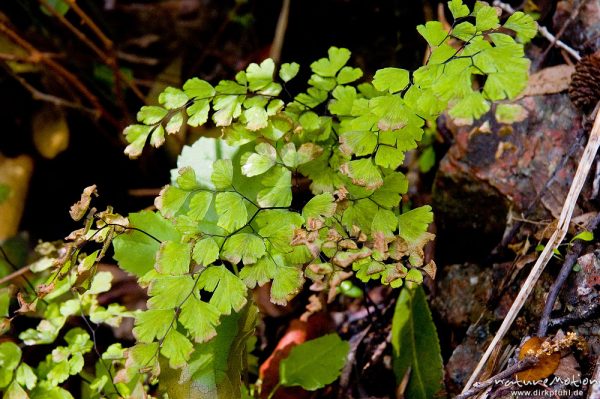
pixel 297 187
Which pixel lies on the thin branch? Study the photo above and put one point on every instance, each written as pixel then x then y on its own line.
pixel 563 274
pixel 509 372
pixel 543 31
pixel 581 313
pixel 587 159
pixel 37 56
pixel 18 273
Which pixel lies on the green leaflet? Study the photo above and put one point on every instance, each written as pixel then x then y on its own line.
pixel 214 368
pixel 416 345
pixel 136 251
pixel 315 363
pixel 414 223
pixel 229 292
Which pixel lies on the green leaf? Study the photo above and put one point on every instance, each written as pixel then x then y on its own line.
pixel 288 71
pixel 136 251
pixel 232 211
pixel 260 161
pixel 458 9
pixel 151 114
pixel 136 136
pixel 510 113
pixel 328 67
pixel 26 376
pixel 584 236
pixel 260 76
pixel 416 346
pixel 153 324
pixel 244 247
pixel 101 283
pixel 10 355
pixel 198 113
pixel 200 319
pixel 177 348
pixel 391 79
pixel 315 363
pixel 222 175
pixel 358 143
pixel 470 107
pixel 15 391
pixel 173 258
pixel 319 207
pixel 256 118
pixel 229 292
pixel 172 98
pixel 227 107
pixel 206 251
pixel 60 6
pixel 169 292
pixel 363 173
pixel 525 27
pixel 414 223
pixel 214 369
pixel 433 32
pixel 199 205
pixel 170 200
pixel 278 188
pixel 486 18
pixel 198 89
pixel 348 74
pixel 287 282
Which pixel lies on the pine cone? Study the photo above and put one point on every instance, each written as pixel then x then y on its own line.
pixel 584 89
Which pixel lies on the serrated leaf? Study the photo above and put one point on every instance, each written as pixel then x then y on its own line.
pixel 391 79
pixel 315 363
pixel 151 114
pixel 278 188
pixel 169 292
pixel 458 9
pixel 173 258
pixel 136 251
pixel 416 346
pixel 363 173
pixel 464 31
pixel 229 292
pixel 198 113
pixel 152 324
pixel 177 348
pixel 222 175
pixel 470 107
pixel 288 71
pixel 231 210
pixel 200 319
pixel 433 32
pixel 358 143
pixel 344 97
pixel 170 200
pixel 525 27
pixel 319 207
pixel 25 376
pixel 328 67
pixel 174 123
pixel 287 282
pixel 486 18
pixel 206 251
pixel 172 98
pixel 244 247
pixel 414 223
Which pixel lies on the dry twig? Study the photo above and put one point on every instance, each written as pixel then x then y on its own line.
pixel 559 234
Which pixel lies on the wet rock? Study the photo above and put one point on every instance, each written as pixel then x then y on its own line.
pixel 466 356
pixel 493 167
